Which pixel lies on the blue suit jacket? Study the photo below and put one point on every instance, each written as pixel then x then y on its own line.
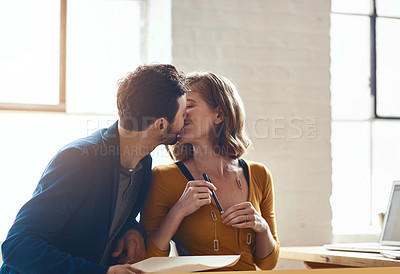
pixel 64 227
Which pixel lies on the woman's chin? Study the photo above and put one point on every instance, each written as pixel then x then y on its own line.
pixel 184 139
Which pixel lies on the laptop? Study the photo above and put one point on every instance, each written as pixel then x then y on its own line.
pixel 389 239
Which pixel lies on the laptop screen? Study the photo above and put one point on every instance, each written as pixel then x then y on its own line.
pixel 392 231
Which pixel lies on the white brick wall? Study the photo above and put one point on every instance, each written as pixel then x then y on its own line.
pixel 277 51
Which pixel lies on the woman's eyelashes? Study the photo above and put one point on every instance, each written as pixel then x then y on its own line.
pixel 189 106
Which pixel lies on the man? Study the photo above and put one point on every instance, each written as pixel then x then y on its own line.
pixel 81 218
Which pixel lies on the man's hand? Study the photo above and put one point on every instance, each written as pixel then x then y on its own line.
pixel 130 248
pixel 123 269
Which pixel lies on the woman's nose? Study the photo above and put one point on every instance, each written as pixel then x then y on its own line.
pixel 186 120
pixel 187 113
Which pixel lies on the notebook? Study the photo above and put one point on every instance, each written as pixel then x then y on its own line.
pixel 389 239
pixel 185 264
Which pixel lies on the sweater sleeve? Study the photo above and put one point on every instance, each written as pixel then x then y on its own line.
pixel 61 190
pixel 155 209
pixel 268 212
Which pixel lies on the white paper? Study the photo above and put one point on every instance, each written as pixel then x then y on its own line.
pixel 185 263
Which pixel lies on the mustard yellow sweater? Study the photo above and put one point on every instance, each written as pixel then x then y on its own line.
pixel 196 231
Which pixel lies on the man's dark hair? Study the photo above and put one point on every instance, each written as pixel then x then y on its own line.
pixel 148 93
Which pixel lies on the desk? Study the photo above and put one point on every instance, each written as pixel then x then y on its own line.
pixel 319 257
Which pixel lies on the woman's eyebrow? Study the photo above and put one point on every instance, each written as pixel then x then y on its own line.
pixel 190 100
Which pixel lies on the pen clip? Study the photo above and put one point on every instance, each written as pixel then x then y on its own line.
pixel 213 194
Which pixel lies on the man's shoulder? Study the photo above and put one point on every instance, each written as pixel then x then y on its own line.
pixel 94 145
pixel 78 160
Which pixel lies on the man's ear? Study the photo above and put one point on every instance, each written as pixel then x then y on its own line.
pixel 160 124
pixel 220 116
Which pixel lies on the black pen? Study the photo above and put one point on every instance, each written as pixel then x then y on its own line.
pixel 213 194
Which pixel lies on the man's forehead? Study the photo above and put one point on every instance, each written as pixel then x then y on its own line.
pixel 182 103
pixel 182 99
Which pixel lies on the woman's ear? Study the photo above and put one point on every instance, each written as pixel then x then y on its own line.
pixel 220 116
pixel 160 125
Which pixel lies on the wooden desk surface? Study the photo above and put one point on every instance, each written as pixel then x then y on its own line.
pixel 318 256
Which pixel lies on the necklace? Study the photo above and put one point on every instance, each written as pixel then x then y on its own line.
pixel 214 215
pixel 238 181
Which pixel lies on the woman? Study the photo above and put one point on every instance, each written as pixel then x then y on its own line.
pixel 180 202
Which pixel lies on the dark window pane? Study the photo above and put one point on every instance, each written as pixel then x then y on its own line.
pixel 388 67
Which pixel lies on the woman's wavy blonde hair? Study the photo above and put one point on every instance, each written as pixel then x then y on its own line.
pixel 218 91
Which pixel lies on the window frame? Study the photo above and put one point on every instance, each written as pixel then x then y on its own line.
pixel 373 81
pixel 374 92
pixel 61 106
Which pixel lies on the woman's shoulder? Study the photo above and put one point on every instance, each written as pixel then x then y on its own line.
pixel 167 177
pixel 257 168
pixel 170 173
pixel 261 178
pixel 170 169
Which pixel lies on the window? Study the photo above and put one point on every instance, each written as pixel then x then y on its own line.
pixel 365 100
pixel 30 55
pixel 67 55
pixel 104 40
pixel 387 65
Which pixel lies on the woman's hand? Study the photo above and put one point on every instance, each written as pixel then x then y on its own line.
pixel 244 215
pixel 196 194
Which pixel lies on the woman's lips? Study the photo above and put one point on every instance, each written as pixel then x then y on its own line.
pixel 183 128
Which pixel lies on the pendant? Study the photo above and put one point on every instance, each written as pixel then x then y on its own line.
pixel 239 183
pixel 213 215
pixel 248 240
pixel 216 245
